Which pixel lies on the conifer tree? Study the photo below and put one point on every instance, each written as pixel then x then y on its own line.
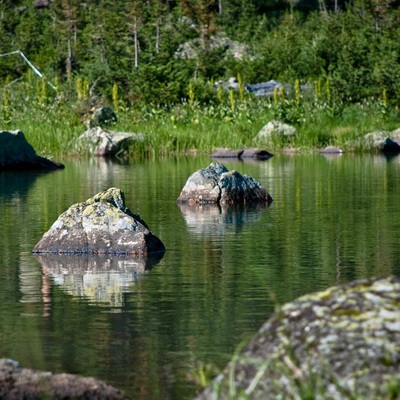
pixel 67 23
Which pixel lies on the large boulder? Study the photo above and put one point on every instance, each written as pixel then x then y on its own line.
pixel 18 383
pixel 341 343
pixel 100 225
pixel 215 184
pixel 17 153
pixel 102 142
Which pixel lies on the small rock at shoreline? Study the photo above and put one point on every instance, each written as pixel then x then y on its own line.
pixel 248 153
pixel 104 143
pixel 17 154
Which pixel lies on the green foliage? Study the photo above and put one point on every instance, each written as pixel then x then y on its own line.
pixel 124 54
pixel 205 119
pixel 289 41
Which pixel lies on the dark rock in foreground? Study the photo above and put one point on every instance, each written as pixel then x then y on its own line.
pixel 18 383
pixel 17 154
pixel 100 225
pixel 216 185
pixel 341 343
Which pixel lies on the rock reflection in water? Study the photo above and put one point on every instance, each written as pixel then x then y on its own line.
pixel 214 219
pixel 100 279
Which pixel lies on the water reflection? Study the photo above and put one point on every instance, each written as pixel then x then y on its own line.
pixel 331 222
pixel 16 184
pixel 213 218
pixel 100 279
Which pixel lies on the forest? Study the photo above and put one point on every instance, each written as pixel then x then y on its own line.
pixel 164 53
pixel 134 44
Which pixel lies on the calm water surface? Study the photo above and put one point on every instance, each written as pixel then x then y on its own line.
pixel 145 326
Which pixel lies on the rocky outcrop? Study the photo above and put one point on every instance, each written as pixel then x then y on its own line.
pixel 220 42
pixel 17 153
pixel 100 225
pixel 18 383
pixel 243 154
pixel 275 129
pixel 216 185
pixel 104 143
pixel 341 343
pixel 381 141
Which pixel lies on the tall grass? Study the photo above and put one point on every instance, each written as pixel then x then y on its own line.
pixel 248 377
pixel 52 119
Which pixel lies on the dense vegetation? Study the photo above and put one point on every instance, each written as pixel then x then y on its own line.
pixel 125 54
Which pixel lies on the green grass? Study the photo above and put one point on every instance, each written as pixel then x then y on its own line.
pixel 51 124
pixel 287 379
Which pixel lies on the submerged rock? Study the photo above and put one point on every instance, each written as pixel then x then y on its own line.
pixel 331 150
pixel 242 154
pixel 100 225
pixel 341 343
pixel 215 184
pixel 17 153
pixel 18 383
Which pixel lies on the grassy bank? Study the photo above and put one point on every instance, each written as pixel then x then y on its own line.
pixel 51 122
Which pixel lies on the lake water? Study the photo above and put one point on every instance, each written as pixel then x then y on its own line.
pixel 145 327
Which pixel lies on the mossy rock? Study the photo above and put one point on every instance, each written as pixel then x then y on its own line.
pixel 100 225
pixel 341 343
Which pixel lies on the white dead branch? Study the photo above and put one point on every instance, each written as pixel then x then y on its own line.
pixel 35 70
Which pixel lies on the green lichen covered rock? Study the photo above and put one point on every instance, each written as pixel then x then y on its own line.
pixel 100 225
pixel 342 343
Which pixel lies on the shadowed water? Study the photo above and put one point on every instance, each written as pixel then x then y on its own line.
pixel 144 326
